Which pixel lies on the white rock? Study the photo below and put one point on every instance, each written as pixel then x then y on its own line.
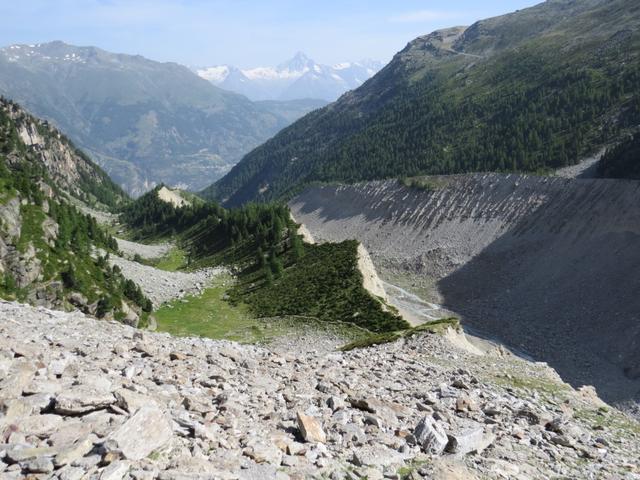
pixel 146 431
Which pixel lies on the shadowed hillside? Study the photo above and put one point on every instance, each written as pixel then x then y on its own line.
pixel 548 265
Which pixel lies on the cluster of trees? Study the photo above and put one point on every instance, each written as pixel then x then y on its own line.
pixel 278 274
pixel 622 161
pixel 326 284
pixel 79 232
pixel 256 234
pixel 151 217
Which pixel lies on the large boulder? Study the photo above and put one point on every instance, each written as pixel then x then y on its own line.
pixel 146 431
pixel 430 436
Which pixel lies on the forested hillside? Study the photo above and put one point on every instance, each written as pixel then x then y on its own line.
pixel 51 254
pixel 278 274
pixel 530 91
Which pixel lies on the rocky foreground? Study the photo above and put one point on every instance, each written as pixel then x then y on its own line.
pixel 88 399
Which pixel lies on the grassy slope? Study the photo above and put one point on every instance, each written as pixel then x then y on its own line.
pixel 208 315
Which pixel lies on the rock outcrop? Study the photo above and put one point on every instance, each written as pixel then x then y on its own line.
pixel 68 168
pixel 82 398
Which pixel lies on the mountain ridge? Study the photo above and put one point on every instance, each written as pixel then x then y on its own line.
pixel 491 97
pixel 138 118
pixel 297 78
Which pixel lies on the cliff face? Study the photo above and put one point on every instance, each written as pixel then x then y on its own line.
pixel 67 167
pixel 548 265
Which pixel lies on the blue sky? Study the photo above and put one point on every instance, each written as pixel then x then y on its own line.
pixel 241 32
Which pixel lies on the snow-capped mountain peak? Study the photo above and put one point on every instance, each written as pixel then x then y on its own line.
pixel 299 63
pixel 299 77
pixel 215 74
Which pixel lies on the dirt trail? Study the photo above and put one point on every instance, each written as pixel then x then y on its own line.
pixel 550 266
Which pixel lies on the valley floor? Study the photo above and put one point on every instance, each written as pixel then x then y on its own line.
pixel 95 399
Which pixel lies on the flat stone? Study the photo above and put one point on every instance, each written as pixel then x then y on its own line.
pixel 259 472
pixel 70 473
pixel 311 429
pixel 37 465
pixel 20 454
pixel 41 425
pixel 562 440
pixel 13 409
pixel 75 451
pixel 115 471
pixel 376 456
pixel 373 405
pixel 265 453
pixel 132 401
pixel 69 433
pixel 147 430
pixel 469 441
pixel 81 401
pixel 19 377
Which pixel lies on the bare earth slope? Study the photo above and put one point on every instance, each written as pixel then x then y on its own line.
pixel 548 265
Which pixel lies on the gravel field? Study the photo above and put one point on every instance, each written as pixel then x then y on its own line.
pixel 162 286
pixel 145 251
pixel 89 399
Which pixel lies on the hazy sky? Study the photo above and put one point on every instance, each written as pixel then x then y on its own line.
pixel 241 32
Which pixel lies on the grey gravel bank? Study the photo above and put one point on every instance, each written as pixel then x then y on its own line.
pixel 161 286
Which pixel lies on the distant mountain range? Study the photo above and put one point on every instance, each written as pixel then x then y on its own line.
pixel 144 122
pixel 298 78
pixel 531 91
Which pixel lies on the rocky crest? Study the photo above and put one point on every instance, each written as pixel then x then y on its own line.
pixel 88 399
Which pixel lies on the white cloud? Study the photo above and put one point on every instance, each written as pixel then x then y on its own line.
pixel 422 16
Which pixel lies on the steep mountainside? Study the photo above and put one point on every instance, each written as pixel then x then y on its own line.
pixel 623 161
pixel 67 167
pixel 48 253
pixel 548 265
pixel 298 78
pixel 146 122
pixel 533 90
